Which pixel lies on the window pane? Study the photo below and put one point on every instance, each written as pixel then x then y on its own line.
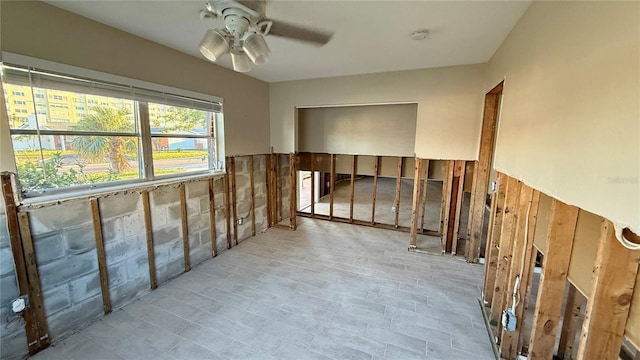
pixel 64 161
pixel 179 155
pixel 167 119
pixel 20 109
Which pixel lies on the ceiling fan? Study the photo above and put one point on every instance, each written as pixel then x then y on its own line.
pixel 243 35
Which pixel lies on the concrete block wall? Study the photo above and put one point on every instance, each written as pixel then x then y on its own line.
pixel 13 340
pixel 66 253
pixel 283 185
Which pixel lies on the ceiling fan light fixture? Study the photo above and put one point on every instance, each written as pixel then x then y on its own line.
pixel 257 49
pixel 240 60
pixel 214 45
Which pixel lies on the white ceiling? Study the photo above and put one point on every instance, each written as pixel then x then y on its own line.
pixel 369 36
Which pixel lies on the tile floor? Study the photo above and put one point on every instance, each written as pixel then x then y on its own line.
pixel 326 291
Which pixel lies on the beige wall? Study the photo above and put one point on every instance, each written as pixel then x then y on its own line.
pixel 42 31
pixel 375 130
pixel 449 105
pixel 570 122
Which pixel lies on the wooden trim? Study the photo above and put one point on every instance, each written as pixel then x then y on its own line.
pixel 570 323
pixel 398 189
pixel 493 238
pixel 102 257
pixel 415 204
pixel 521 255
pixel 482 170
pixel 212 218
pixel 553 280
pixel 253 196
pixel 505 250
pixel 35 292
pixel 608 303
pixel 332 185
pixel 405 229
pixel 234 200
pixel 313 184
pixel 227 216
pixel 460 168
pixel 425 166
pixel 354 164
pixel 185 227
pixel 446 205
pixel 13 227
pixel 149 235
pixel 293 187
pixel 376 171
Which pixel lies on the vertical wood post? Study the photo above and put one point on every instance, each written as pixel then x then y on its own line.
pixel 102 257
pixel 482 170
pixel 493 238
pixel 226 210
pixel 553 280
pixel 458 196
pixel 519 267
pixel 293 187
pixel 415 204
pixel 570 323
pixel 313 184
pixel 272 194
pixel 212 218
pixel 13 227
pixel 446 204
pixel 425 166
pixel 354 164
pixel 332 185
pixel 253 196
pixel 185 229
pixel 234 200
pixel 608 303
pixel 279 181
pixel 398 190
pixel 376 171
pixel 505 252
pixel 149 234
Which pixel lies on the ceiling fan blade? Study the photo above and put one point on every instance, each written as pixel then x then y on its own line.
pixel 255 5
pixel 295 32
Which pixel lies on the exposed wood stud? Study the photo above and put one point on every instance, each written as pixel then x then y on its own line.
pixel 425 166
pixel 227 216
pixel 13 228
pixel 570 323
pixel 253 196
pixel 519 267
pixel 396 202
pixel 35 292
pixel 446 205
pixel 149 234
pixel 482 171
pixel 292 192
pixel 354 164
pixel 279 185
pixel 185 227
pixel 608 303
pixel 234 200
pixel 267 180
pixel 553 280
pixel 313 184
pixel 493 238
pixel 102 258
pixel 376 171
pixel 332 186
pixel 272 194
pixel 460 168
pixel 505 251
pixel 212 218
pixel 416 203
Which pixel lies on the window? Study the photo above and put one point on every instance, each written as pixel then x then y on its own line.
pixel 20 102
pixel 57 97
pixel 18 93
pixel 115 141
pixel 39 96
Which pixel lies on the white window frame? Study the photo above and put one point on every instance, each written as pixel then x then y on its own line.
pixel 146 169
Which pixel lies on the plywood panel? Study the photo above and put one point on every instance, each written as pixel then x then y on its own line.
pixel 371 129
pixel 583 255
pixel 633 324
pixel 542 223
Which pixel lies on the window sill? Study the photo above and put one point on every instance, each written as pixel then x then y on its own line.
pixel 44 200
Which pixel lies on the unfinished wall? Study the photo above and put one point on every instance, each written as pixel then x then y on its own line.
pixel 449 105
pixel 58 35
pixel 569 122
pixel 375 130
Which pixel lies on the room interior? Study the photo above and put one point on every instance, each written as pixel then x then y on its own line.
pixel 469 194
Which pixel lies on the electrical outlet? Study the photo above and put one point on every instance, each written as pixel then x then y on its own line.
pixel 240 221
pixel 494 186
pixel 393 209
